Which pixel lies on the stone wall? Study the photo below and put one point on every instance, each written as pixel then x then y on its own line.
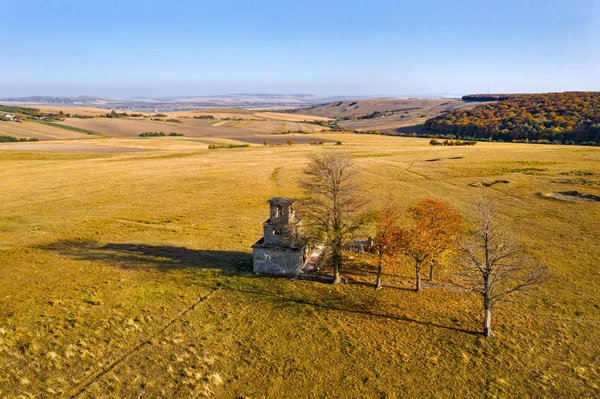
pixel 278 261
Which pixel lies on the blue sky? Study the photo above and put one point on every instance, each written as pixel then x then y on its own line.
pixel 352 47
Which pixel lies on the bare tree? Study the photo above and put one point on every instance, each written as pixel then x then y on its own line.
pixel 493 266
pixel 331 208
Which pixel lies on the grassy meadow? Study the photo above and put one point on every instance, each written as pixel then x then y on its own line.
pixel 129 275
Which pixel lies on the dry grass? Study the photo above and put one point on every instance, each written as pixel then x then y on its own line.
pixel 38 130
pixel 291 117
pixel 248 114
pixel 55 109
pixel 246 130
pixel 126 275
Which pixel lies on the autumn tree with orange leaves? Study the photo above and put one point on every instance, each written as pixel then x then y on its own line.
pixel 436 231
pixel 386 243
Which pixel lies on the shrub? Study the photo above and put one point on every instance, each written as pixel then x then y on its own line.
pixel 218 146
pixel 290 142
pixel 338 143
pixel 152 134
pixel 10 139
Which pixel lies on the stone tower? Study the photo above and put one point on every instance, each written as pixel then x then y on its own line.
pixel 280 252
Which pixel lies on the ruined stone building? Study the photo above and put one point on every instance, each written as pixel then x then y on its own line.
pixel 280 251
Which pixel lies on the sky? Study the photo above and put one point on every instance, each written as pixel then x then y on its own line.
pixel 352 47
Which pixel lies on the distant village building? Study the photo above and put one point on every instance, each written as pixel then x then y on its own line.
pixel 361 246
pixel 280 251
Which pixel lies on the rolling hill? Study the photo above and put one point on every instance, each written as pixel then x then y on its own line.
pixel 386 114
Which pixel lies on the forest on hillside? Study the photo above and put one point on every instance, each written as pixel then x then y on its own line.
pixel 571 117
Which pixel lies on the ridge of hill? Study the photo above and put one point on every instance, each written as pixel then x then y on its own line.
pixel 390 115
pixel 371 108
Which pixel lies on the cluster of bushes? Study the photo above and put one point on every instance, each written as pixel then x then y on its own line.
pixel 174 120
pixel 24 113
pixel 159 134
pixel 317 143
pixel 320 123
pixel 204 117
pixel 68 115
pixel 376 132
pixel 9 139
pixel 555 117
pixel 114 114
pixel 236 119
pixel 111 114
pixel 452 142
pixel 20 110
pixel 218 146
pixel 292 132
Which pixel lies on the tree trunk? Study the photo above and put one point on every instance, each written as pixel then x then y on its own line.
pixel 418 272
pixel 379 272
pixel 431 271
pixel 487 321
pixel 336 258
pixel 337 276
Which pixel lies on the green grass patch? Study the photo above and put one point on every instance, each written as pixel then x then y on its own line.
pixel 71 128
pixel 579 172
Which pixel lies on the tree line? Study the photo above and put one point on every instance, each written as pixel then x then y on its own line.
pixel 486 261
pixel 551 117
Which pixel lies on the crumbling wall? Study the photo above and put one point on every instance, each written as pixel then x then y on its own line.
pixel 278 261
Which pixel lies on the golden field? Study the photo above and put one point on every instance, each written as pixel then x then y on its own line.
pixel 128 274
pixel 255 127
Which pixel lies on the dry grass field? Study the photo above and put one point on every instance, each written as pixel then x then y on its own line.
pixel 249 113
pixel 38 130
pixel 129 275
pixel 255 128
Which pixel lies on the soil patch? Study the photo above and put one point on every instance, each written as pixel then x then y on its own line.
pixel 489 183
pixel 573 196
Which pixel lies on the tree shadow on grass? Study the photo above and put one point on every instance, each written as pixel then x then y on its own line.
pixel 410 129
pixel 343 305
pixel 157 257
pixel 362 273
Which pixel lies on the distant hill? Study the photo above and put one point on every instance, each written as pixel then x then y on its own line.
pixel 555 117
pixel 386 115
pixel 378 107
pixel 79 100
pixel 171 104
